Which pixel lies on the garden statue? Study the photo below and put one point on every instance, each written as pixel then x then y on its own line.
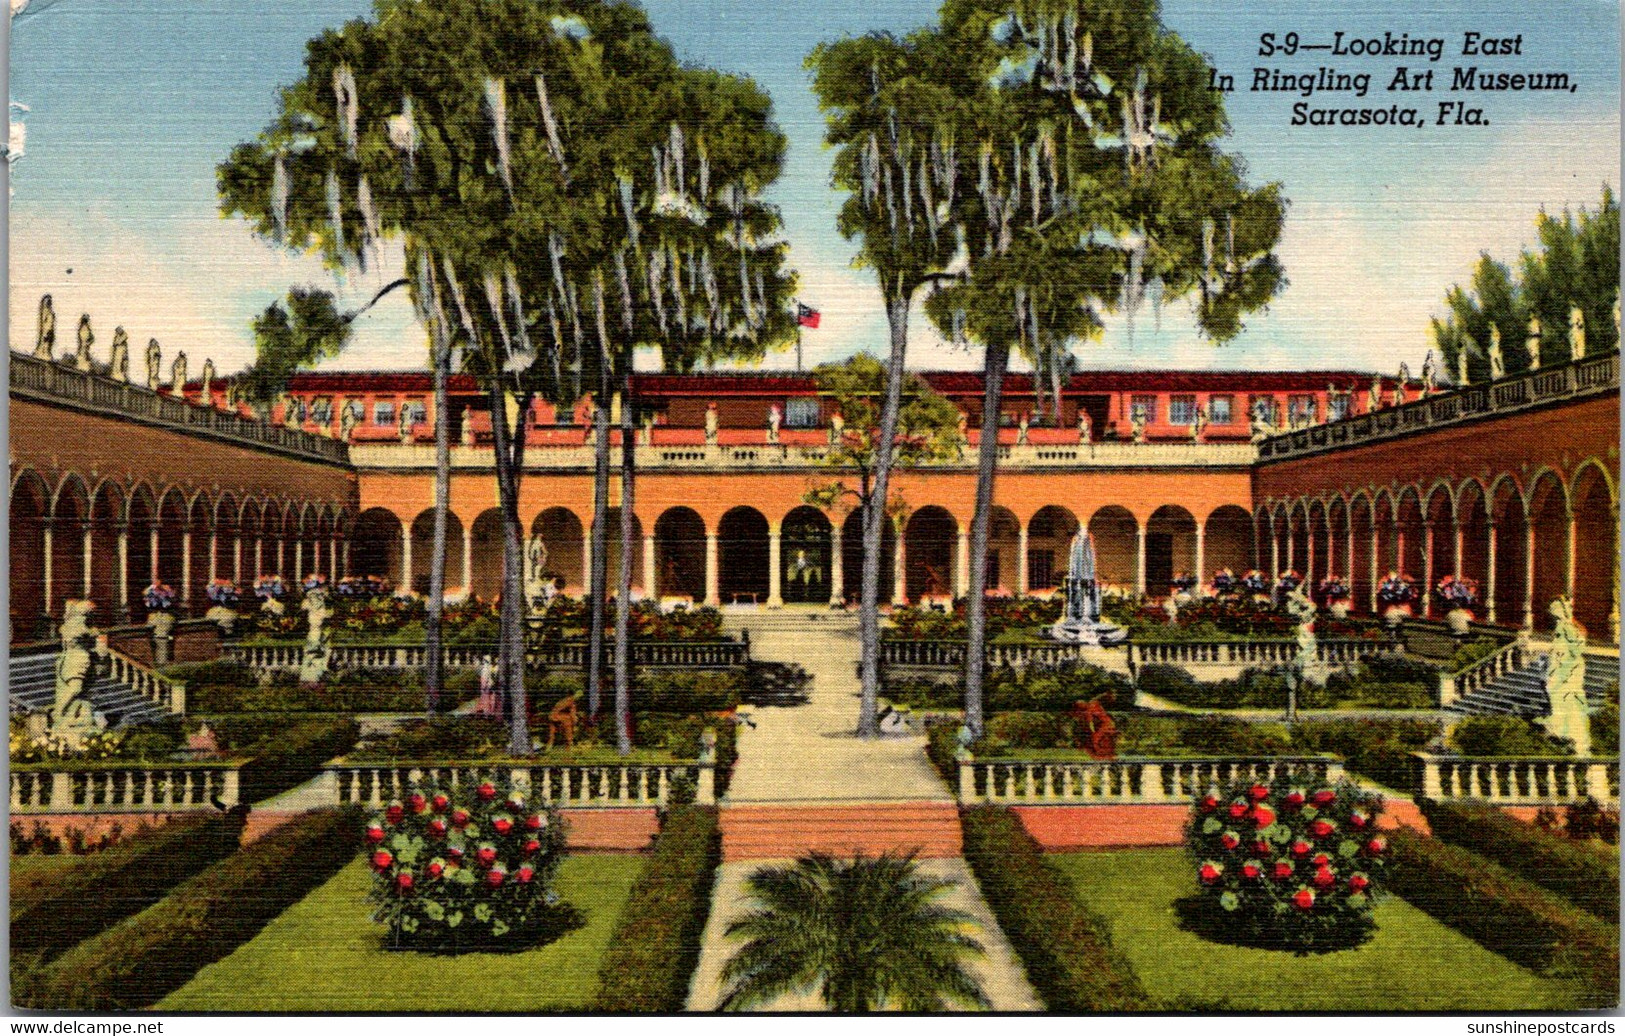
pixel 648 438
pixel 774 418
pixel 1462 377
pixel 347 421
pixel 1021 430
pixel 1401 382
pixel 404 427
pixel 317 612
pixel 1137 422
pixel 1498 365
pixel 1262 426
pixel 202 743
pixel 177 372
pixel 1083 426
pixel 708 745
pixel 1170 608
pixel 1094 730
pixel 290 413
pixel 710 424
pixel 45 340
pixel 962 743
pixel 72 717
pixel 535 579
pixel 1565 680
pixel 1430 375
pixel 1306 667
pixel 206 390
pixel 488 704
pixel 1198 425
pixel 81 355
pixel 1080 621
pixel 1577 333
pixel 964 427
pixel 154 363
pixel 562 720
pixel 1373 399
pixel 1532 341
pixel 837 427
pixel 224 617
pixel 118 367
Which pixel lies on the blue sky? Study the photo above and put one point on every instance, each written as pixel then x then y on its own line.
pixel 132 103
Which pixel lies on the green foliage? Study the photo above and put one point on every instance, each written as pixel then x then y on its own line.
pixel 867 933
pixel 1605 730
pixel 291 339
pixel 1585 878
pixel 291 755
pixel 1293 866
pixel 1381 749
pixel 1474 650
pixel 1003 614
pixel 143 958
pixel 656 944
pixel 227 687
pixel 1575 264
pixel 1503 735
pixel 82 900
pixel 466 868
pixel 1041 688
pixel 1380 682
pixel 687 691
pixel 1494 907
pixel 1065 947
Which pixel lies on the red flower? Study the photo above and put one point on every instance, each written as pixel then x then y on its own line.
pixel 437 827
pixel 417 803
pixel 459 818
pixel 382 859
pixel 1321 860
pixel 1210 873
pixel 1261 847
pixel 436 869
pixel 1304 898
pixel 1238 808
pixel 1259 792
pixel 1376 845
pixel 1229 840
pixel 1283 870
pixel 1324 797
pixel 1294 798
pixel 403 881
pixel 494 876
pixel 455 852
pixel 1301 848
pixel 503 825
pixel 1251 869
pixel 1324 878
pixel 1209 803
pixel 1321 828
pixel 533 846
pixel 535 821
pixel 1263 816
pixel 1358 819
pixel 515 803
pixel 1358 882
pixel 375 834
pixel 440 802
pixel 525 873
pixel 486 791
pixel 486 855
pixel 394 814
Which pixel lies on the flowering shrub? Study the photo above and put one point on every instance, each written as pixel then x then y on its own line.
pixel 1397 590
pixel 1290 866
pixel 362 588
pixel 1181 581
pixel 270 588
pixel 1286 583
pixel 314 581
pixel 466 868
pixel 1003 613
pixel 159 597
pixel 1255 582
pixel 1225 583
pixel 1457 593
pixel 1333 588
pixel 223 592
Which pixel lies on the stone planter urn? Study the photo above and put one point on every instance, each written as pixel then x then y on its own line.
pixel 1459 620
pixel 1338 609
pixel 1396 614
pixel 225 618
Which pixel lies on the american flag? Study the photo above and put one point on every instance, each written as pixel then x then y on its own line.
pixel 806 316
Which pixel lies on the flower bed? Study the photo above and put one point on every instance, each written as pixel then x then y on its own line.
pixel 229 687
pixel 1054 689
pixel 1003 615
pixel 1380 682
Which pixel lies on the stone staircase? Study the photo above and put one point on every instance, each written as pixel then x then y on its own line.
pixel 31 680
pixel 1522 692
pixel 928 829
pixel 1601 670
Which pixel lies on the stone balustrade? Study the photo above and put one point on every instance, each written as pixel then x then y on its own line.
pixel 60 383
pixel 570 654
pixel 123 788
pixel 584 786
pixel 1127 781
pixel 1592 376
pixel 166 692
pixel 786 456
pixel 1554 781
pixel 1482 673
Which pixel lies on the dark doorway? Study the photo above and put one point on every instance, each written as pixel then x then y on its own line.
pixel 1159 561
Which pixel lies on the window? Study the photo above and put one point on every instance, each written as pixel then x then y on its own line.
pixel 1264 408
pixel 801 413
pixel 321 409
pixel 1301 408
pixel 416 407
pixel 1219 410
pixel 1182 410
pixel 1337 406
pixel 383 413
pixel 1146 405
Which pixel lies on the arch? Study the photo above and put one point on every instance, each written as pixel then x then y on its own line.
pixel 107 505
pixel 562 533
pixel 375 546
pixel 423 550
pixel 1549 521
pixel 1596 553
pixel 1472 535
pixel 1511 539
pixel 1049 542
pixel 1116 538
pixel 486 547
pixel 680 554
pixel 612 564
pixel 70 509
pixel 1408 539
pixel 1263 538
pixel 30 504
pixel 1439 514
pixel 1003 572
pixel 170 564
pixel 852 558
pixel 1337 540
pixel 1362 542
pixel 804 556
pixel 742 556
pixel 929 540
pixel 1170 547
pixel 1227 541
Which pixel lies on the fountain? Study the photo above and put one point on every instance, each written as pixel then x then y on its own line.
pixel 1081 622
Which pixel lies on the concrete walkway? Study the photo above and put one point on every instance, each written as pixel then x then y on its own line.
pixel 807 756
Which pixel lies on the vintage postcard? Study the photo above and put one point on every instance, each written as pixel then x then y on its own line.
pixel 651 506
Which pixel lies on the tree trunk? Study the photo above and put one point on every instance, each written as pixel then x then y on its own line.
pixel 597 590
pixel 997 357
pixel 432 673
pixel 623 583
pixel 510 453
pixel 874 518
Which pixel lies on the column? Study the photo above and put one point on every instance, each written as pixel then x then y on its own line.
pixel 1456 540
pixel 651 579
pixel 214 545
pixel 837 575
pixel 1309 562
pixel 1348 569
pixel 236 557
pixel 405 582
pixel 333 559
pixel 1489 574
pixel 962 563
pixel 1374 539
pixel 899 593
pixel 1427 569
pixel 1022 578
pixel 121 577
pixel 1201 556
pixel 88 541
pixel 712 596
pixel 1568 557
pixel 316 555
pixel 282 559
pixel 1291 547
pixel 299 560
pixel 152 553
pixel 586 560
pixel 46 533
pixel 775 589
pixel 186 566
pixel 1275 553
pixel 1529 575
pixel 1139 560
pixel 468 558
pixel 347 557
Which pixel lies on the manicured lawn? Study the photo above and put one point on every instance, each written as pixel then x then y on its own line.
pixel 1412 963
pixel 324 954
pixel 29 873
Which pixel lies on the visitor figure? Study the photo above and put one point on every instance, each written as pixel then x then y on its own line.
pixel 710 424
pixel 290 413
pixel 81 355
pixel 154 363
pixel 118 367
pixel 586 416
pixel 1577 333
pixel 488 705
pixel 1137 422
pixel 348 418
pixel 45 340
pixel 1199 424
pixel 774 417
pixel 1532 341
pixel 892 722
pixel 404 429
pixel 562 720
pixel 1498 366
pixel 804 571
pixel 1262 427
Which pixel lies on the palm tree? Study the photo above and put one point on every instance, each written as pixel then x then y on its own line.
pixel 867 932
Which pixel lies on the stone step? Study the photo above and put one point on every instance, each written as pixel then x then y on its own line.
pixel 929 829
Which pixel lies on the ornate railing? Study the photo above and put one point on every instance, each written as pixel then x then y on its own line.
pixel 1127 781
pixel 586 786
pixel 1558 780
pixel 779 456
pixel 51 382
pixel 1483 672
pixel 163 691
pixel 1250 653
pixel 569 654
pixel 1592 376
pixel 123 789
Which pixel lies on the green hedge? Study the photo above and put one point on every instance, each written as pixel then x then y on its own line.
pixel 1066 949
pixel 48 919
pixel 656 944
pixel 289 754
pixel 1503 735
pixel 146 957
pixel 1381 749
pixel 1380 682
pixel 228 687
pixel 1036 689
pixel 1520 921
pixel 1585 878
